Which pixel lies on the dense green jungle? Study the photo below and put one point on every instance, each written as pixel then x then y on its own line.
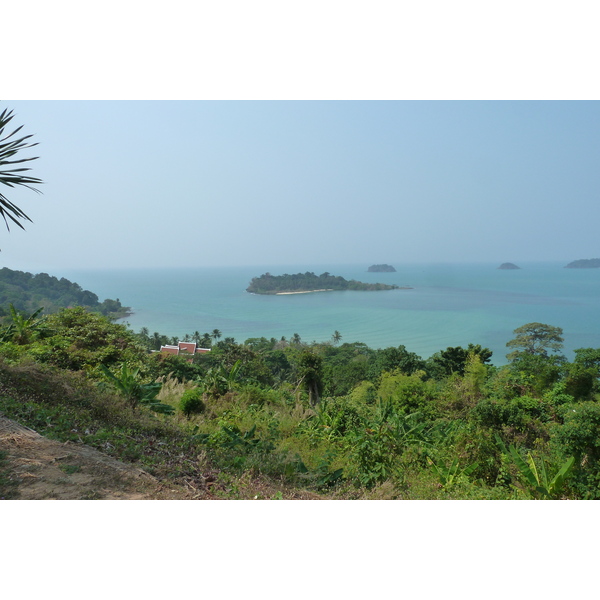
pixel 282 418
pixel 26 292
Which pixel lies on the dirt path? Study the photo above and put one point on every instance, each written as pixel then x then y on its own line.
pixel 40 469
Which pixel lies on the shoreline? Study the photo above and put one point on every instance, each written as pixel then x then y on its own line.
pixel 402 287
pixel 302 292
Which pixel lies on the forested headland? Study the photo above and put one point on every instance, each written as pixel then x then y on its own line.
pixel 28 292
pixel 309 282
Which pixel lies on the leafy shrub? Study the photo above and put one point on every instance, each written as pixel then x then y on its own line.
pixel 191 402
pixel 580 382
pixel 409 393
pixel 559 395
pixel 364 393
pixel 516 412
pixel 581 423
pixel 253 394
pixel 83 341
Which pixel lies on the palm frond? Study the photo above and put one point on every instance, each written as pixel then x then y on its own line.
pixel 14 177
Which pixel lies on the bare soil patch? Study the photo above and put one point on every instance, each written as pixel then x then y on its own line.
pixel 38 468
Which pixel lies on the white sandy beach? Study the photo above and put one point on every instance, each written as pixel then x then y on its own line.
pixel 303 292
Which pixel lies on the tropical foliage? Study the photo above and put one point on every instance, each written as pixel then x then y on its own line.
pixel 339 420
pixel 27 292
pixel 12 177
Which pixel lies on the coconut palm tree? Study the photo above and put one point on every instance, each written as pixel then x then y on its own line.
pixel 13 177
pixel 336 337
pixel 156 340
pixel 216 334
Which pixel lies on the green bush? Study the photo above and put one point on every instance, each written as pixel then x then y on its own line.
pixel 409 393
pixel 517 412
pixel 191 402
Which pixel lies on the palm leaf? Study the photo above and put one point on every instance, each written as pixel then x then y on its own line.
pixel 14 177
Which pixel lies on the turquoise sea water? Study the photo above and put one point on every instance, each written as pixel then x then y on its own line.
pixel 450 305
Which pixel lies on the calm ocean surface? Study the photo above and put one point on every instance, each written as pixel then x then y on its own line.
pixel 450 305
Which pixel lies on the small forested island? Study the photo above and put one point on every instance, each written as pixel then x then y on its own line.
pixel 28 292
pixel 584 263
pixel 508 266
pixel 381 269
pixel 302 283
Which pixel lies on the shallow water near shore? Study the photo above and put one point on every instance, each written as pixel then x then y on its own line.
pixel 448 305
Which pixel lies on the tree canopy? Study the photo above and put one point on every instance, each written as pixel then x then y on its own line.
pixel 535 339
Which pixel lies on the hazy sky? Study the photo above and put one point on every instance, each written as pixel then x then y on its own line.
pixel 211 183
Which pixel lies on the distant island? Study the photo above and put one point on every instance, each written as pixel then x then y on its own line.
pixel 381 269
pixel 508 266
pixel 302 283
pixel 584 263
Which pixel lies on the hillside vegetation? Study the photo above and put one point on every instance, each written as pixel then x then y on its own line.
pixel 28 292
pixel 282 418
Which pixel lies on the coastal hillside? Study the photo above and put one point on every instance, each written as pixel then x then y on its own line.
pixel 309 282
pixel 28 292
pixel 279 419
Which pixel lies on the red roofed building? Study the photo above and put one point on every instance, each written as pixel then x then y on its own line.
pixel 169 349
pixel 187 347
pixel 184 348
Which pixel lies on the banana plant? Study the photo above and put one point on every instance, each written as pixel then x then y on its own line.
pixel 537 480
pixel 218 381
pixel 23 327
pixel 128 384
pixel 448 476
pixel 6 333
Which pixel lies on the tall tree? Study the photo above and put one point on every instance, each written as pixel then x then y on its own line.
pixel 337 336
pixel 216 334
pixel 535 339
pixel 13 177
